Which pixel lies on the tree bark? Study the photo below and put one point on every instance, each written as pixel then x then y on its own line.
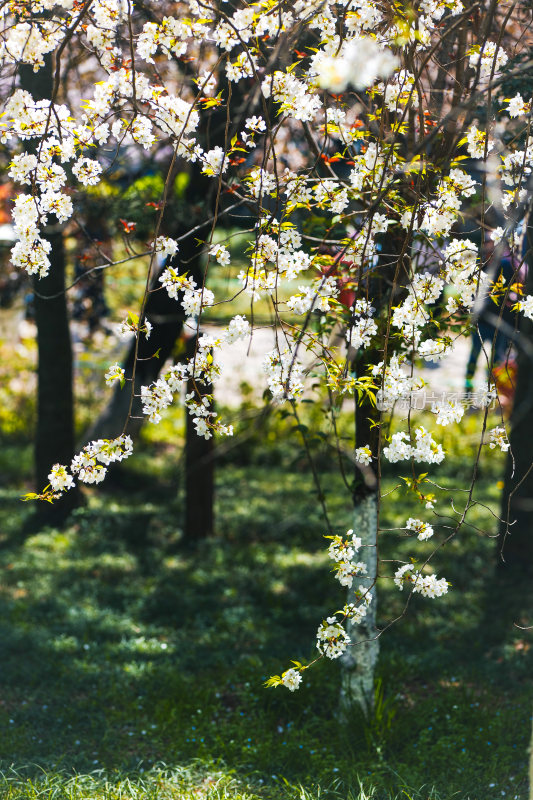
pixel 54 436
pixel 167 318
pixel 359 661
pixel 199 474
pixel 163 312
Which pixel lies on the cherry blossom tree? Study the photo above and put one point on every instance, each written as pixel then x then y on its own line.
pixel 363 144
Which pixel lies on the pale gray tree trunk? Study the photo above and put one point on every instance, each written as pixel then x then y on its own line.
pixel 359 661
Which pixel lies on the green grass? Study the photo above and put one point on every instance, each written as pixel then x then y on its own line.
pixel 133 665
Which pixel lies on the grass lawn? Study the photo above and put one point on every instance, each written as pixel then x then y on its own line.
pixel 133 665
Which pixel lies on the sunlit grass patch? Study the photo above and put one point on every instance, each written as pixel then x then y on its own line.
pixel 194 782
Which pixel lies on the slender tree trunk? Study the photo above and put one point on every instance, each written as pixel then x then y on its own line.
pixel 359 661
pixel 199 474
pixel 54 436
pixel 163 312
pixel 167 318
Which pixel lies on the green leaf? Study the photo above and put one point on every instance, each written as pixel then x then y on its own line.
pixel 274 681
pixel 29 496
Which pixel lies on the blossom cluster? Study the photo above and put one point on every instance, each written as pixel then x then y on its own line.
pixel 498 439
pixel 342 551
pixel 200 370
pixel 423 448
pixel 422 529
pixel 363 328
pixel 90 465
pixel 426 585
pixel 332 638
pixel 395 383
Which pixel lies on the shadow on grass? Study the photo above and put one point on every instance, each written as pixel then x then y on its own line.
pixel 121 646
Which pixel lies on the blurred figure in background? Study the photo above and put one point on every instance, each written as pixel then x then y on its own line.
pixel 494 328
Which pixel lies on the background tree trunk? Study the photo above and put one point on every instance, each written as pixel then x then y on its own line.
pixel 163 312
pixel 167 318
pixel 515 542
pixel 199 474
pixel 54 436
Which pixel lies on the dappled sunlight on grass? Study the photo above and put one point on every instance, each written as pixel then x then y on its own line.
pixel 123 647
